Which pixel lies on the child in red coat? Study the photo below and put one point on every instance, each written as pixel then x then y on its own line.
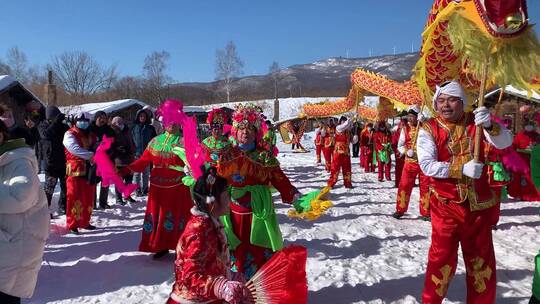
pixel 202 264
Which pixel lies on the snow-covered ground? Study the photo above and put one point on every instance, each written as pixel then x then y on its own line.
pixel 358 253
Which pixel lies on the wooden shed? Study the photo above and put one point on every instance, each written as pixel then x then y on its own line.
pixel 19 99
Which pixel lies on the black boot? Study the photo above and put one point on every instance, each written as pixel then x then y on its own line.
pixel 397 215
pixel 425 218
pixel 75 231
pixel 120 201
pixel 90 227
pixel 160 254
pixel 130 200
pixel 103 196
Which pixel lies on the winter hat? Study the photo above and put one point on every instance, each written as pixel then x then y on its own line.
pixel 52 112
pixel 414 110
pixel 118 121
pixel 83 115
pixel 99 114
pixel 450 88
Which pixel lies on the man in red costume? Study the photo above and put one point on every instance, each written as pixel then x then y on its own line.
pixel 319 141
pixel 400 158
pixel 411 170
pixel 461 197
pixel 328 144
pixel 366 146
pixel 521 187
pixel 383 142
pixel 341 159
pixel 78 142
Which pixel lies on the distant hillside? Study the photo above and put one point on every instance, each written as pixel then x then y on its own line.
pixel 329 77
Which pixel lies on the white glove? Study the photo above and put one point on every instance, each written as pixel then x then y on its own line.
pixel 355 139
pixel 482 117
pixel 187 171
pixel 473 169
pixel 421 117
pixel 410 153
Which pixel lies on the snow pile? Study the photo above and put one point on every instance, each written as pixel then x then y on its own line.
pixel 358 253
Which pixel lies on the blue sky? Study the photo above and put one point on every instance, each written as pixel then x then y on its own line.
pixel 123 32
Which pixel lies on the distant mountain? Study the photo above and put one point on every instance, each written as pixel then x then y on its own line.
pixel 328 77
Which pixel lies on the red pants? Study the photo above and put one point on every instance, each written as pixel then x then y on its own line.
pixel 496 210
pixel 452 225
pixel 522 187
pixel 410 171
pixel 327 152
pixel 384 169
pixel 400 163
pixel 80 202
pixel 341 162
pixel 318 149
pixel 362 157
pixel 368 160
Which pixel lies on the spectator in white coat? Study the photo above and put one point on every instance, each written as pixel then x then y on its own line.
pixel 24 219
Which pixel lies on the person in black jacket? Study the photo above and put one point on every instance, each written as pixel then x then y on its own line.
pixel 142 133
pixel 51 130
pixel 100 127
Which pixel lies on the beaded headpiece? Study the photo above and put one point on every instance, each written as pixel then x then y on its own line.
pixel 217 117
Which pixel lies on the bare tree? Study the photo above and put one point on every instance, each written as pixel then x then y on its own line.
pixel 81 75
pixel 4 68
pixel 228 66
pixel 17 61
pixel 273 71
pixel 128 87
pixel 156 78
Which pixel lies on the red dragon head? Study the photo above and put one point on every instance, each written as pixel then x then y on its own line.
pixel 503 18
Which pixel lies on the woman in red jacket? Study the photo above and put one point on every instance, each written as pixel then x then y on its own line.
pixel 521 187
pixel 383 142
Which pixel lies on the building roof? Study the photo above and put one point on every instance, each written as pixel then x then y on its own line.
pixel 6 81
pixel 107 107
pixel 510 90
pixel 17 90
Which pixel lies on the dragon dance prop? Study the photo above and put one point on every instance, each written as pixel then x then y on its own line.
pixel 401 94
pixel 394 94
pixel 281 280
pixel 329 108
pixel 311 206
pixel 480 43
pixel 460 38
